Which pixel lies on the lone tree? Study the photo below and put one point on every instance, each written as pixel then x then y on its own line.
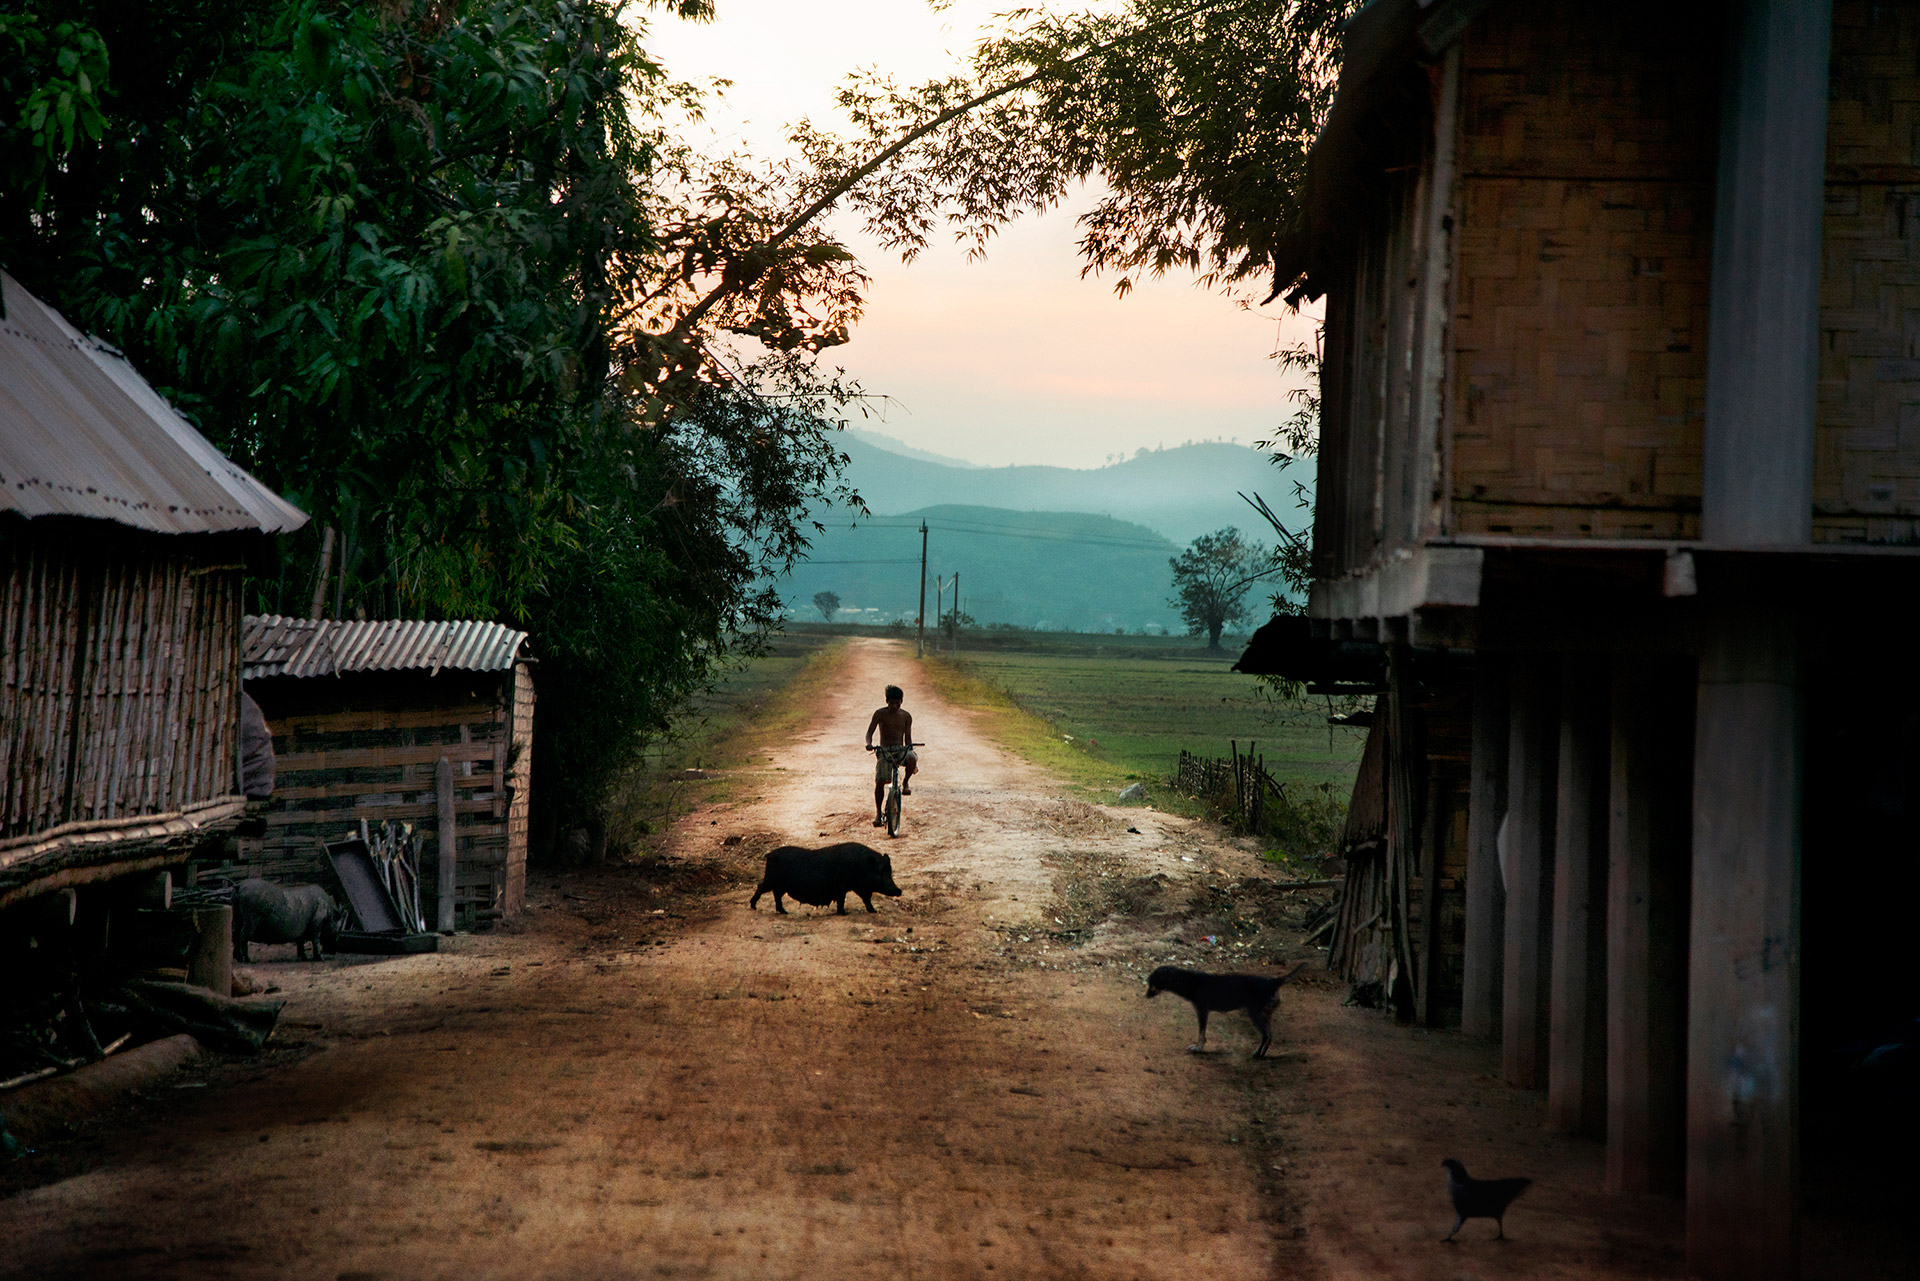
pixel 1211 578
pixel 828 603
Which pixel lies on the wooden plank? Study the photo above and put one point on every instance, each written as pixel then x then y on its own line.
pixel 1481 962
pixel 350 758
pixel 445 818
pixel 348 720
pixel 407 785
pixel 374 813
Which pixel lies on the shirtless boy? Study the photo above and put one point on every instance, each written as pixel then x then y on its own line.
pixel 895 724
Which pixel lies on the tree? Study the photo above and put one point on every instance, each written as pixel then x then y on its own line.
pixel 828 603
pixel 396 259
pixel 435 270
pixel 1211 578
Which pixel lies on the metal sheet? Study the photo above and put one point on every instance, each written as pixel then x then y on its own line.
pixel 82 434
pixel 274 645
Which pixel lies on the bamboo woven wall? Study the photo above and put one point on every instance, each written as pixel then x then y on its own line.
pixel 1866 486
pixel 119 675
pixel 1585 213
pixel 519 785
pixel 1384 909
pixel 367 745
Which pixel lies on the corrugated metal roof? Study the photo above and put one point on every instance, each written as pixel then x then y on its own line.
pixel 82 434
pixel 272 645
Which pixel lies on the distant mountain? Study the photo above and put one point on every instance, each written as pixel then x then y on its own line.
pixel 1179 493
pixel 1065 571
pixel 905 450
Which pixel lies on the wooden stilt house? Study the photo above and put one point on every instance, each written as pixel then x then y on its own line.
pixel 402 721
pixel 122 537
pixel 1620 476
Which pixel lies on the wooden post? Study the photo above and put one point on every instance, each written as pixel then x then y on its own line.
pixel 1532 746
pixel 1577 1035
pixel 1486 892
pixel 1405 767
pixel 920 647
pixel 211 963
pixel 449 863
pixel 1757 465
pixel 1743 982
pixel 1647 839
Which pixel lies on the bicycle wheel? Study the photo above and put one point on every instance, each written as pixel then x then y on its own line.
pixel 893 811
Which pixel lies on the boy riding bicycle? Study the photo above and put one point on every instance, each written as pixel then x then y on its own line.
pixel 895 724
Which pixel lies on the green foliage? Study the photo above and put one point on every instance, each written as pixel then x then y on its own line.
pixel 52 77
pixel 828 603
pixel 1211 578
pixel 1197 118
pixel 407 262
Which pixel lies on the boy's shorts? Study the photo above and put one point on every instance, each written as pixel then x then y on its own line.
pixel 883 764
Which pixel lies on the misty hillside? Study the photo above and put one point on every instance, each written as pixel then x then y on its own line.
pixel 1179 493
pixel 1065 571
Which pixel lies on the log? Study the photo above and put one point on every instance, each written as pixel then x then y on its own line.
pixel 47 1107
pixel 210 963
pixel 223 1022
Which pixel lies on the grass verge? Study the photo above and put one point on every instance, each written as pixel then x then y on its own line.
pixel 758 701
pixel 1103 720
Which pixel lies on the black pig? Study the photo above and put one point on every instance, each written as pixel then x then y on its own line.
pixel 823 876
pixel 298 914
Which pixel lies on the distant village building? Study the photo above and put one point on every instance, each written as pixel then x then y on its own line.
pixel 363 714
pixel 122 534
pixel 1620 483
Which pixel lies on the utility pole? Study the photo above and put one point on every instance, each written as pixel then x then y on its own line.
pixel 923 592
pixel 956 613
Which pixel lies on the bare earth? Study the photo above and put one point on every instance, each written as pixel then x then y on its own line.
pixel 644 1079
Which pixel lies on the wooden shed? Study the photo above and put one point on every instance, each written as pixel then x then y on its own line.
pixel 363 714
pixel 122 532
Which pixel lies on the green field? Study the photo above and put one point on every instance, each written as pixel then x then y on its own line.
pixel 1127 715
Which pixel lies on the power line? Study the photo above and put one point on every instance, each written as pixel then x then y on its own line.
pixel 1040 535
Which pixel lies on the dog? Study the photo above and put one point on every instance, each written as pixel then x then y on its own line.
pixel 1222 993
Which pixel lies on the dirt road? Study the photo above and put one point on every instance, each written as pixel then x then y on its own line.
pixel 644 1079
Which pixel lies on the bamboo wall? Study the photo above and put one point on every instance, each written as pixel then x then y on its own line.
pixel 119 674
pixel 1585 218
pixel 1382 934
pixel 1866 486
pixel 519 780
pixel 367 746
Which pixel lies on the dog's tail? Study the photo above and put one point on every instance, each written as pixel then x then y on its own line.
pixel 1288 976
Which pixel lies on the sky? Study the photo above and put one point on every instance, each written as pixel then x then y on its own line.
pixel 1014 359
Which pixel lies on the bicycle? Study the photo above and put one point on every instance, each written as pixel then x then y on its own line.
pixel 893 754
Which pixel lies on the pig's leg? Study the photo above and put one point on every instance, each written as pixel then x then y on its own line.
pixel 1202 1045
pixel 840 905
pixel 240 950
pixel 866 898
pixel 777 905
pixel 753 904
